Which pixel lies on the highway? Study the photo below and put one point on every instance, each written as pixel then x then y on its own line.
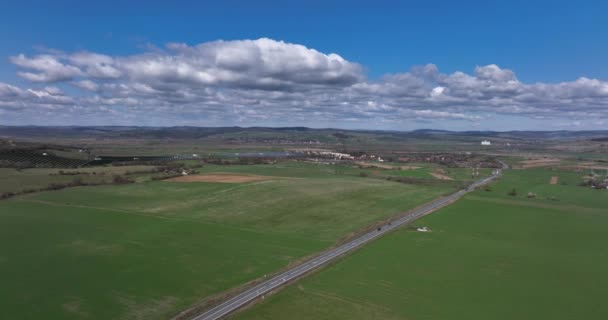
pixel 267 286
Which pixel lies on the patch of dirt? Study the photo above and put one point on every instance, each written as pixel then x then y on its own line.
pixel 248 270
pixel 148 309
pixel 220 177
pixel 83 247
pixel 534 163
pixel 409 167
pixel 594 167
pixel 73 307
pixel 553 180
pixel 440 174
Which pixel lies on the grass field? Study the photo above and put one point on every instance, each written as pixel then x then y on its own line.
pixel 12 180
pixel 303 169
pixel 489 256
pixel 149 250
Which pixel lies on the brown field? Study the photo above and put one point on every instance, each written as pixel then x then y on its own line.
pixel 440 174
pixel 534 163
pixel 585 166
pixel 220 177
pixel 594 167
pixel 553 180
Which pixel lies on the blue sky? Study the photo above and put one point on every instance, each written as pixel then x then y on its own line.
pixel 540 42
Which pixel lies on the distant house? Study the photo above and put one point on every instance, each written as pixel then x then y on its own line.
pixel 486 143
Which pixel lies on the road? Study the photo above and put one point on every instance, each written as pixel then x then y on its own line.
pixel 263 288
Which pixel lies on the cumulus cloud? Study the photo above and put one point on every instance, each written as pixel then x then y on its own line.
pixel 86 85
pixel 249 64
pixel 275 81
pixel 12 97
pixel 96 65
pixel 46 68
pixel 444 115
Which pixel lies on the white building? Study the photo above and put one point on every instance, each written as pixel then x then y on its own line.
pixel 486 143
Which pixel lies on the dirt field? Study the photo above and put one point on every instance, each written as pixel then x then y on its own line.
pixel 440 174
pixel 593 167
pixel 585 166
pixel 553 180
pixel 534 163
pixel 220 177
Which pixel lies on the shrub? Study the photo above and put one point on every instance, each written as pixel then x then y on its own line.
pixel 78 182
pixel 6 195
pixel 513 192
pixel 121 180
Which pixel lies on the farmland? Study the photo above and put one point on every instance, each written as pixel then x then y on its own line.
pixel 13 180
pixel 153 248
pixel 115 241
pixel 489 256
pixel 142 141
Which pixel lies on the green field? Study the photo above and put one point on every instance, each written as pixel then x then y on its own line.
pixel 489 256
pixel 149 250
pixel 303 169
pixel 12 180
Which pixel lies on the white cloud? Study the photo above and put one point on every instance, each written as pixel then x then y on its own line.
pixel 12 97
pixel 494 73
pixel 86 84
pixel 445 115
pixel 96 65
pixel 47 68
pixel 437 91
pixel 249 64
pixel 275 81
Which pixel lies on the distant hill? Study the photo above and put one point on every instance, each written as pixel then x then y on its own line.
pixel 109 132
pixel 600 139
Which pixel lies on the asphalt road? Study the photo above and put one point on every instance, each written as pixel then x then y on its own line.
pixel 263 288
